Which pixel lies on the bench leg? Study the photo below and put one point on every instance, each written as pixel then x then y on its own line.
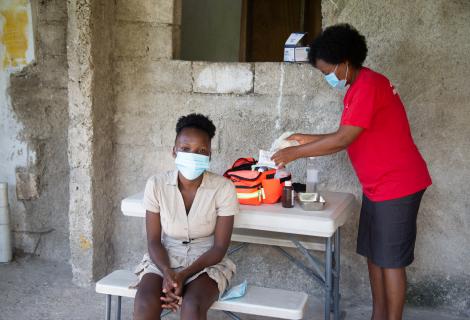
pixel 108 307
pixel 232 315
pixel 118 309
pixel 236 248
pixel 328 278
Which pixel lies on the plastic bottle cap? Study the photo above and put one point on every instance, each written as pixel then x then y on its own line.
pixel 288 183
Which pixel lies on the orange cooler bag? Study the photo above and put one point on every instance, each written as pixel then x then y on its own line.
pixel 253 187
pixel 249 186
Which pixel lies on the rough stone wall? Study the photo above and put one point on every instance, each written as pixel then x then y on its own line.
pixel 39 100
pixel 80 138
pixel 103 163
pixel 89 135
pixel 421 46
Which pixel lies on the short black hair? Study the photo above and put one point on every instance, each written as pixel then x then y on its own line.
pixel 198 121
pixel 339 43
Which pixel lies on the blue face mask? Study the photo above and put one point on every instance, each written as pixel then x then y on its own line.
pixel 333 80
pixel 235 292
pixel 191 165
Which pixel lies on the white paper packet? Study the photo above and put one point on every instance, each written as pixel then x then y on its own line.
pixel 264 159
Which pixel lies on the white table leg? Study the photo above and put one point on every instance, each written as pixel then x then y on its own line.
pixel 337 272
pixel 328 278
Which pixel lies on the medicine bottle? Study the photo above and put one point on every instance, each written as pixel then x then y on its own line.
pixel 287 195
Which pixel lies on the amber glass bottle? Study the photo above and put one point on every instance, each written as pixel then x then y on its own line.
pixel 287 195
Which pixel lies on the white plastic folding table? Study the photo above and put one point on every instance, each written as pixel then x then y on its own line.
pixel 294 226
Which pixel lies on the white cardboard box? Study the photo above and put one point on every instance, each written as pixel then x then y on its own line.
pixel 293 51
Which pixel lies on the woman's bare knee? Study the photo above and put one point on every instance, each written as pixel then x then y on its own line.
pixel 199 295
pixel 191 309
pixel 147 304
pixel 147 307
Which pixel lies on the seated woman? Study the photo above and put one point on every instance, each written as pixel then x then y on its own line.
pixel 189 222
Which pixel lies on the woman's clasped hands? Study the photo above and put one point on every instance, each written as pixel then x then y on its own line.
pixel 172 288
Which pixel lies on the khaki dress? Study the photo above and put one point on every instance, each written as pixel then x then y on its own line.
pixel 187 236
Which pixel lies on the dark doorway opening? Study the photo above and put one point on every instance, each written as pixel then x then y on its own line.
pixel 245 30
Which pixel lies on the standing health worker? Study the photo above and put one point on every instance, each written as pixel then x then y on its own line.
pixel 374 130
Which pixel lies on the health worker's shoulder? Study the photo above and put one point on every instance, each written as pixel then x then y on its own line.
pixel 372 79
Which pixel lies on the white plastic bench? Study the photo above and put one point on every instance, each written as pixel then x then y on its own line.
pixel 260 301
pixel 278 227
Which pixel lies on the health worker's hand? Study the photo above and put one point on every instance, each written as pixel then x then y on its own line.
pixel 300 138
pixel 284 156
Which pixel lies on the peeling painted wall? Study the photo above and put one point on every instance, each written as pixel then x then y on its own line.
pixel 16 37
pixel 16 51
pixel 35 123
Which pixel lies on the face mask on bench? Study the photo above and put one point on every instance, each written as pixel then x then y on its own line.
pixel 235 292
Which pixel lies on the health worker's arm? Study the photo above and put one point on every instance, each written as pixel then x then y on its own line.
pixel 319 145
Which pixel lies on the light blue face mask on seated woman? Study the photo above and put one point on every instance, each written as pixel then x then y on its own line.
pixel 191 165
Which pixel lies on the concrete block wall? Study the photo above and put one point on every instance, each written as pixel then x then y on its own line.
pixel 147 29
pixel 222 78
pixel 251 104
pixel 421 47
pixel 248 114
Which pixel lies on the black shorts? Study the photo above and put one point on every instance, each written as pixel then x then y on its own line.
pixel 387 230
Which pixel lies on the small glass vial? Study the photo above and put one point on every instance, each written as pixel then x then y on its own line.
pixel 287 195
pixel 312 176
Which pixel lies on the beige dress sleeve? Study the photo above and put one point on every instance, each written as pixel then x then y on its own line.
pixel 150 201
pixel 226 202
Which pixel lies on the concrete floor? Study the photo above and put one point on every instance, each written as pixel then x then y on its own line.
pixel 32 288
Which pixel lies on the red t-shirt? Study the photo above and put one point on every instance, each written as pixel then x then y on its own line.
pixel 384 156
